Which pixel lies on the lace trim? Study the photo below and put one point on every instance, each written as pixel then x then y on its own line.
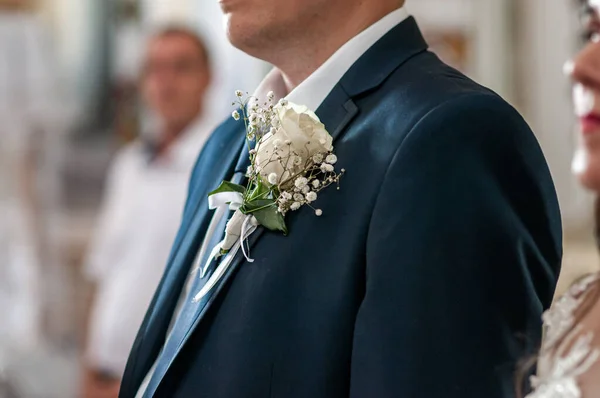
pixel 559 377
pixel 560 319
pixel 561 381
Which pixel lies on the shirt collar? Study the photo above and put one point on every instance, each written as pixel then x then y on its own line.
pixel 313 91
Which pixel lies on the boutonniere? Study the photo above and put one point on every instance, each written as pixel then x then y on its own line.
pixel 291 162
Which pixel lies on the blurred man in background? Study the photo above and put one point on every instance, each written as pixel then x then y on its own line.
pixel 144 201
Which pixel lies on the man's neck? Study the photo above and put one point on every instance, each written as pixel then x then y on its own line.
pixel 298 61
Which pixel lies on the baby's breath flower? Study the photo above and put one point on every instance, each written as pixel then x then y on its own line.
pixel 249 171
pixel 235 115
pixel 295 206
pixel 288 142
pixel 238 93
pixel 297 160
pixel 311 197
pixel 272 130
pixel 343 170
pixel 316 183
pixel 301 182
pixel 270 95
pixel 317 157
pixel 305 189
pixel 277 143
pixel 298 197
pixel 286 195
pixel 283 102
pixel 253 119
pixel 326 168
pixel 272 178
pixel 331 159
pixel 319 212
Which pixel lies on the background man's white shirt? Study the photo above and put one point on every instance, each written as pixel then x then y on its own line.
pixel 140 218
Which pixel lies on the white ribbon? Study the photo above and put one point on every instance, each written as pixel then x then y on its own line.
pixel 233 199
pixel 238 230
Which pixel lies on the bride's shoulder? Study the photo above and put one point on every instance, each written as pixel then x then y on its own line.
pixel 568 310
pixel 570 356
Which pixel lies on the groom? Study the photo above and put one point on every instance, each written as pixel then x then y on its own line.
pixel 429 270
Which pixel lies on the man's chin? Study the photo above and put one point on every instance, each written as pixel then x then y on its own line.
pixel 237 32
pixel 244 33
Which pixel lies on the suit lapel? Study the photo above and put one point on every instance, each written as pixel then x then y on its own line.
pixel 337 111
pixel 228 141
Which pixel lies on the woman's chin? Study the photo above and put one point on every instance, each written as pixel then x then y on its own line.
pixel 586 168
pixel 590 179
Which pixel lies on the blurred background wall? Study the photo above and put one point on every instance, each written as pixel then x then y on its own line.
pixel 516 47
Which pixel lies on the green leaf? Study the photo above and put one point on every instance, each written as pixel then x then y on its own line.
pixel 265 211
pixel 227 186
pixel 260 191
pixel 271 219
pixel 258 204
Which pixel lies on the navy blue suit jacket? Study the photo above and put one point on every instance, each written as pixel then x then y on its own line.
pixel 426 276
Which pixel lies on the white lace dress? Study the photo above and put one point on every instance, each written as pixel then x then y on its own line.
pixel 567 352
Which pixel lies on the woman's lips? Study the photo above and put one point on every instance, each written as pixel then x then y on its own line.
pixel 590 124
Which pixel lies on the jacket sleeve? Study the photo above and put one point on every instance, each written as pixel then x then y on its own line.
pixel 463 254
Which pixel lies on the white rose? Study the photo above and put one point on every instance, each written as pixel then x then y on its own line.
pixel 306 136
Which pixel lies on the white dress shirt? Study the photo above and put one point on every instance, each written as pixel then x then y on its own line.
pixel 311 93
pixel 140 218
